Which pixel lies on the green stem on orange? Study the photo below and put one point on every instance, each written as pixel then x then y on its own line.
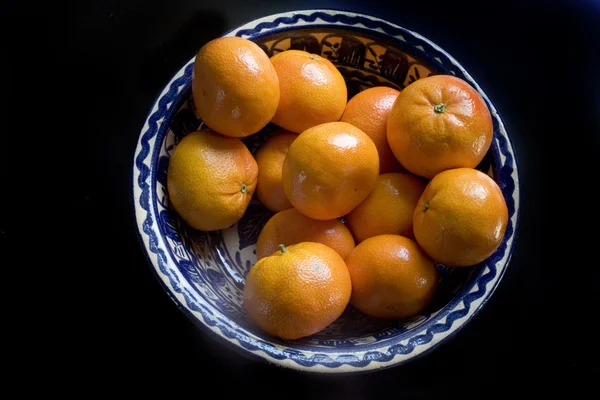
pixel 439 108
pixel 243 188
pixel 312 57
pixel 283 249
pixel 426 207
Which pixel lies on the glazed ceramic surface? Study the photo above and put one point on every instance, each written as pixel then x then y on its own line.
pixel 204 272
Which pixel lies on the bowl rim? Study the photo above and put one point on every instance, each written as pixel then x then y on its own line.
pixel 444 324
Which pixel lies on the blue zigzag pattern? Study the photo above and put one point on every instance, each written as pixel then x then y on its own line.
pixel 167 105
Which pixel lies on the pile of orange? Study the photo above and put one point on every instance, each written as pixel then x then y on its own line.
pixel 369 194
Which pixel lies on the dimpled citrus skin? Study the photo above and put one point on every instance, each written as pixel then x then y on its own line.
pixel 312 90
pixel 391 277
pixel 269 158
pixel 389 207
pixel 211 180
pixel 235 87
pixel 299 292
pixel 290 227
pixel 461 217
pixel 368 111
pixel 427 141
pixel 329 170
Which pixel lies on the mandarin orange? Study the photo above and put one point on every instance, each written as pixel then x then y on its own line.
pixel 235 87
pixel 389 207
pixel 369 111
pixel 211 179
pixel 461 217
pixel 312 90
pixel 290 227
pixel 269 158
pixel 438 123
pixel 391 277
pixel 330 169
pixel 297 291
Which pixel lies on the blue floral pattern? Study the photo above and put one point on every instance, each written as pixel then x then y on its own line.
pixel 204 272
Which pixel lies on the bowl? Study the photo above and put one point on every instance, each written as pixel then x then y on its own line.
pixel 204 272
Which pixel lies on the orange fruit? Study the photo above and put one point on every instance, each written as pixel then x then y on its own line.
pixel 391 277
pixel 461 217
pixel 329 170
pixel 389 207
pixel 297 291
pixel 211 179
pixel 289 227
pixel 438 123
pixel 235 87
pixel 312 90
pixel 369 111
pixel 269 158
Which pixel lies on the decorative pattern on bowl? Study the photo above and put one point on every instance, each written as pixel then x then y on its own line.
pixel 204 271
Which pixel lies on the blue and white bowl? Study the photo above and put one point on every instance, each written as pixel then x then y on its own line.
pixel 204 272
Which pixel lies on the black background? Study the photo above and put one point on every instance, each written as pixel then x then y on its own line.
pixel 81 78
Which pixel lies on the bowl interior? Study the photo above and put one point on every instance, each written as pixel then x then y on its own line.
pixel 215 263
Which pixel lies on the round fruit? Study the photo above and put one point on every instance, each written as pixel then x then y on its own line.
pixel 369 111
pixel 461 217
pixel 298 291
pixel 312 90
pixel 211 180
pixel 438 123
pixel 391 277
pixel 389 207
pixel 289 227
pixel 329 170
pixel 269 158
pixel 235 87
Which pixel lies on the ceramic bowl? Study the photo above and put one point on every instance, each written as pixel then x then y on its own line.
pixel 204 272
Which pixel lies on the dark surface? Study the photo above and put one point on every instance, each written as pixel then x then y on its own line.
pixel 95 69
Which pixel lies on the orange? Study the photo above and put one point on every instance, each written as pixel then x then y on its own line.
pixel 391 277
pixel 438 123
pixel 289 227
pixel 211 180
pixel 297 291
pixel 235 87
pixel 269 158
pixel 388 208
pixel 312 90
pixel 329 170
pixel 369 111
pixel 461 217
